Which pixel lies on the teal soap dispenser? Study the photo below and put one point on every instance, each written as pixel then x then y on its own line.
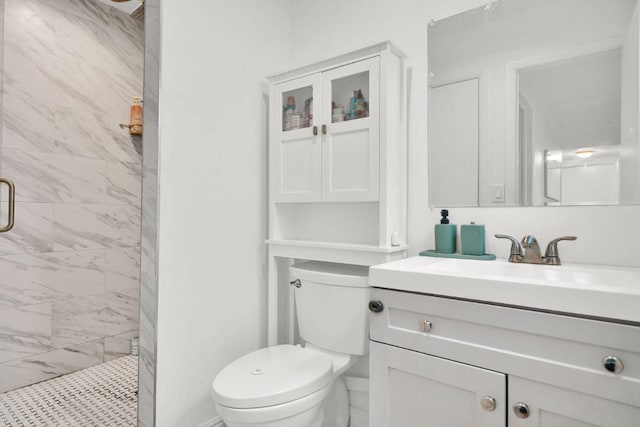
pixel 445 235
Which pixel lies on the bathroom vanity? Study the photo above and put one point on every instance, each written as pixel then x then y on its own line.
pixel 472 343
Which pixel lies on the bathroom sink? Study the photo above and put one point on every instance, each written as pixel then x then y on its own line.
pixel 546 275
pixel 586 290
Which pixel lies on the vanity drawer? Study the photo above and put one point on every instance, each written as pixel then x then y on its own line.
pixel 550 348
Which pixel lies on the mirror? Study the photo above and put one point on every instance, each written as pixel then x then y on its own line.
pixel 535 103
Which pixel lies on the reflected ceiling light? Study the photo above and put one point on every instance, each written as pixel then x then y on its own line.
pixel 585 153
pixel 554 156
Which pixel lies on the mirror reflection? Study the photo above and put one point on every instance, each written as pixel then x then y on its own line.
pixel 535 103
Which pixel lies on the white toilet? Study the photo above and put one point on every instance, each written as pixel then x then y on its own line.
pixel 293 386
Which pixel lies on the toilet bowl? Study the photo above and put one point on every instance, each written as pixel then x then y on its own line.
pixel 295 386
pixel 282 386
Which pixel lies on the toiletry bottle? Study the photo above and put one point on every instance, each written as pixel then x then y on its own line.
pixel 287 113
pixel 136 117
pixel 353 100
pixel 360 105
pixel 445 235
pixel 472 239
pixel 308 113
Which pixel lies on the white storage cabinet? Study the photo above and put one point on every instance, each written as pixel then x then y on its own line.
pixel 337 178
pixel 450 363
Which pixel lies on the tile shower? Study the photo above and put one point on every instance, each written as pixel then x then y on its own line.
pixel 69 270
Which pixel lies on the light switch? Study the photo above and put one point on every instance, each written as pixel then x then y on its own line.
pixel 497 193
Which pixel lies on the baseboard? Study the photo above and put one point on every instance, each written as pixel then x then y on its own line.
pixel 213 422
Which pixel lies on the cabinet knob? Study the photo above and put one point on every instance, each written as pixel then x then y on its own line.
pixel 488 403
pixel 376 306
pixel 315 130
pixel 521 410
pixel 425 326
pixel 613 364
pixel 324 129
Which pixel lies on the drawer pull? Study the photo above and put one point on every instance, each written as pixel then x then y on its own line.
pixel 488 403
pixel 376 306
pixel 521 410
pixel 613 364
pixel 425 326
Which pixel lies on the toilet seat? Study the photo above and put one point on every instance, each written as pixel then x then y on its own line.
pixel 272 376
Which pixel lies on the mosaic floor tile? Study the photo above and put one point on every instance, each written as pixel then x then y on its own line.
pixel 102 395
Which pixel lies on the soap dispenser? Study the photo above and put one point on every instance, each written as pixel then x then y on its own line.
pixel 445 235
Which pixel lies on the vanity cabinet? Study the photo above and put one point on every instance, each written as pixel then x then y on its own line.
pixel 438 361
pixel 412 389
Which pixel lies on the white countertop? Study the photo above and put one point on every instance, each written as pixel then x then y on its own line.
pixel 586 290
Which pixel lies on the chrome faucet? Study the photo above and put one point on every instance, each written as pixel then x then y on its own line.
pixel 528 251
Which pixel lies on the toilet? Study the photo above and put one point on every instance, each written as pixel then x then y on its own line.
pixel 301 386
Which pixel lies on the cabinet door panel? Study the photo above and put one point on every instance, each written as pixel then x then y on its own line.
pixel 551 406
pixel 349 169
pixel 411 389
pixel 351 146
pixel 298 174
pixel 297 153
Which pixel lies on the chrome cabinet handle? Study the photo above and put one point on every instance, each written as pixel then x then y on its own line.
pixel 376 306
pixel 12 205
pixel 488 403
pixel 613 364
pixel 521 410
pixel 425 326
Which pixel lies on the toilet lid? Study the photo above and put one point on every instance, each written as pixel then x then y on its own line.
pixel 271 376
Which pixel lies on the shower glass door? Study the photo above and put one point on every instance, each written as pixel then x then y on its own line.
pixel 7 188
pixel 69 267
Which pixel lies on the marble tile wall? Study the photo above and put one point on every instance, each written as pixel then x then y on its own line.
pixel 70 268
pixel 148 257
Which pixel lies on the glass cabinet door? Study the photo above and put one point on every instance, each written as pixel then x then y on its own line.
pixel 350 153
pixel 298 151
pixel 297 108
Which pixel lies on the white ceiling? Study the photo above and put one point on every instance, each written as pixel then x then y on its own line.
pixel 126 6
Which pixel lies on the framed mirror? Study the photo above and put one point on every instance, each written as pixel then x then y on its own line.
pixel 535 103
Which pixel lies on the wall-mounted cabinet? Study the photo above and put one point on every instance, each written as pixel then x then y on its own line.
pixel 337 144
pixel 337 162
pixel 325 144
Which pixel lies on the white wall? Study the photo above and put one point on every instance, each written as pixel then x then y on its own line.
pixel 333 26
pixel 213 131
pixel 213 216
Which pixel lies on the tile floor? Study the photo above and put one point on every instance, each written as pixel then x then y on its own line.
pixel 102 395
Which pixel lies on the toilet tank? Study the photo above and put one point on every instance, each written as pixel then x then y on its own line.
pixel 332 305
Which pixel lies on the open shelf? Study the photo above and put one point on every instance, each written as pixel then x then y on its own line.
pixel 346 253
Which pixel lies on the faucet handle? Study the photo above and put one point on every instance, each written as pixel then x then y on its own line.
pixel 551 255
pixel 516 247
